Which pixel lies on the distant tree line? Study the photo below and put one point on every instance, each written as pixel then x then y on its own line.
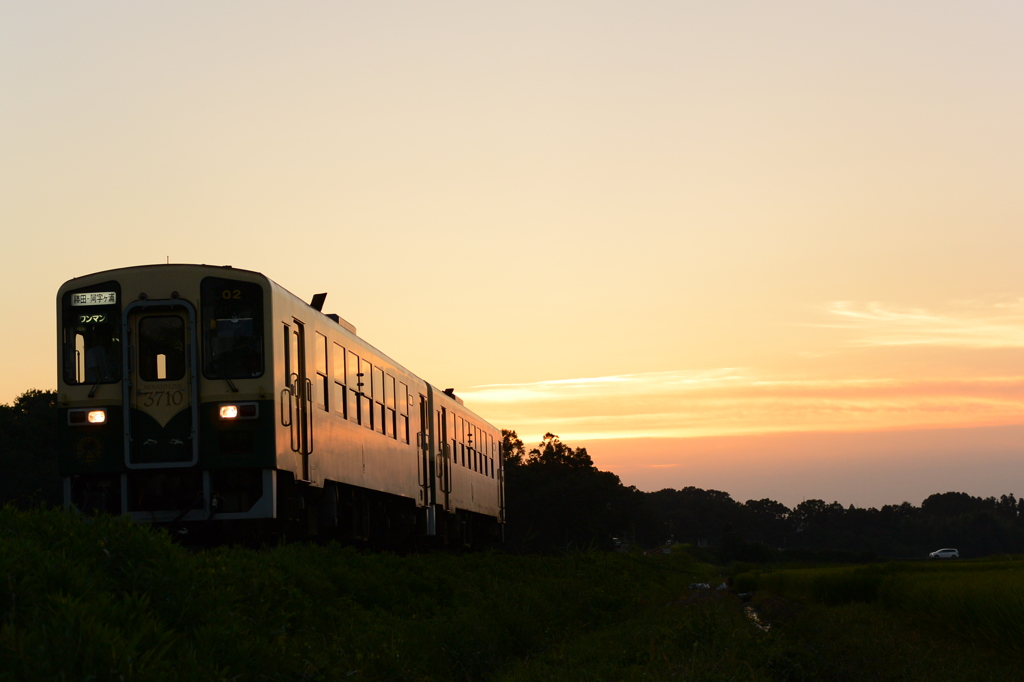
pixel 558 500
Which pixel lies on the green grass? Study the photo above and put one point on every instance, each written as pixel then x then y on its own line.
pixel 102 597
pixel 105 599
pixel 981 600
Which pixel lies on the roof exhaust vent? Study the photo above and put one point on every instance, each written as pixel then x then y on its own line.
pixel 343 323
pixel 450 392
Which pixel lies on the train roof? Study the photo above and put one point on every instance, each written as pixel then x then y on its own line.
pixel 277 288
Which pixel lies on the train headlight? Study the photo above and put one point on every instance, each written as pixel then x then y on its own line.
pixel 83 416
pixel 231 411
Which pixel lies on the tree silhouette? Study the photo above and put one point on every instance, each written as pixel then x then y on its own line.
pixel 553 452
pixel 558 499
pixel 513 451
pixel 28 450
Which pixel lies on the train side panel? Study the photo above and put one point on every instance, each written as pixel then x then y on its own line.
pixel 469 448
pixel 352 436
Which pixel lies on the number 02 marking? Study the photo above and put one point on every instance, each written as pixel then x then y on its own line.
pixel 231 294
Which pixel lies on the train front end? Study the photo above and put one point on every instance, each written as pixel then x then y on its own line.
pixel 166 394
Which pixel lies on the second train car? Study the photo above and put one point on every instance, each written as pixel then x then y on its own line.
pixel 212 400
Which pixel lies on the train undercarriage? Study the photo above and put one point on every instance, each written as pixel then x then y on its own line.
pixel 233 507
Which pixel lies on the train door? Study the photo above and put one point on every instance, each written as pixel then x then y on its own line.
pixel 501 486
pixel 160 395
pixel 444 459
pixel 297 412
pixel 426 475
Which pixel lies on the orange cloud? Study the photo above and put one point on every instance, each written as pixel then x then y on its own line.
pixel 731 401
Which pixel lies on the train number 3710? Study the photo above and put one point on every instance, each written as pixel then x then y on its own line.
pixel 158 398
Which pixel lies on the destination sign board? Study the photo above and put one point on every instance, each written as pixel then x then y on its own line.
pixel 94 298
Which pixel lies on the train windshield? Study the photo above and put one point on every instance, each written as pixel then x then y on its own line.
pixel 232 328
pixel 162 348
pixel 92 334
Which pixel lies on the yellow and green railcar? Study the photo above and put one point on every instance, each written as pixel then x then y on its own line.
pixel 212 400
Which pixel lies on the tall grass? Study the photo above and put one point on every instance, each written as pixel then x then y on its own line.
pixel 104 598
pixel 984 601
pixel 980 599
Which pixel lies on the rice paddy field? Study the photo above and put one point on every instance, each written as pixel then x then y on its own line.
pixel 103 599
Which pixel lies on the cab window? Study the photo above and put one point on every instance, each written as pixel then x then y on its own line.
pixel 232 328
pixel 92 334
pixel 161 348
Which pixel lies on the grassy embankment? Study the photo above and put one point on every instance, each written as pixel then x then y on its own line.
pixel 105 599
pixel 978 601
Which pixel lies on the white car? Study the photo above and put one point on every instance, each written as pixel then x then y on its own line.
pixel 947 553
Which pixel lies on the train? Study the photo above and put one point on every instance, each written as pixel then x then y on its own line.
pixel 212 401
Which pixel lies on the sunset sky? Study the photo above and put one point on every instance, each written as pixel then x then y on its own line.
pixel 769 248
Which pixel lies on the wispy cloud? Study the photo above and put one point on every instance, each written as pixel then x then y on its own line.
pixel 969 324
pixel 732 401
pixel 743 400
pixel 622 384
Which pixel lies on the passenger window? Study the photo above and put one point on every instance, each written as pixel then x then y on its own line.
pixel 389 404
pixel 452 438
pixel 378 400
pixel 322 383
pixel 462 440
pixel 354 387
pixel 365 393
pixel 339 380
pixel 403 408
